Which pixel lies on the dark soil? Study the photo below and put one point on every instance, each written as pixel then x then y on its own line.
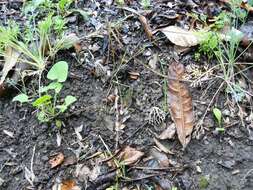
pixel 224 159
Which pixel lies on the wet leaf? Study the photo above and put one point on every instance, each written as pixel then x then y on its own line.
pixel 22 98
pixel 146 27
pixel 69 100
pixel 56 160
pixel 11 57
pixel 58 72
pixel 130 155
pixel 180 103
pixel 181 37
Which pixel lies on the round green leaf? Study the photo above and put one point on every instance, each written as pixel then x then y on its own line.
pixel 58 72
pixel 22 98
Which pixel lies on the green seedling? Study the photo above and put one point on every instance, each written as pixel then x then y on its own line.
pixel 174 188
pixel 59 24
pixel 145 4
pixel 120 2
pixel 218 116
pixel 64 5
pixel 47 105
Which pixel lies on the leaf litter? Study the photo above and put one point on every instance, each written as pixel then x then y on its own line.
pixel 180 103
pixel 178 97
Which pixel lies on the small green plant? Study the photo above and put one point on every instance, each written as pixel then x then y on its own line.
pixel 120 2
pixel 145 4
pixel 218 116
pixel 47 105
pixel 59 24
pixel 35 48
pixel 208 45
pixel 222 20
pixel 64 5
pixel 174 188
pixel 203 182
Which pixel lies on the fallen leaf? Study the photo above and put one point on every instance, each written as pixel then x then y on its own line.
pixel 181 37
pixel 69 161
pixel 56 160
pixel 146 26
pixel 134 75
pixel 130 155
pixel 168 133
pixel 180 103
pixel 68 184
pixel 109 99
pixel 11 57
pixel 160 157
pixel 83 173
pixel 162 147
pixel 68 41
pixel 153 61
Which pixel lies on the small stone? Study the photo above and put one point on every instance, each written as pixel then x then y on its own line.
pixel 198 169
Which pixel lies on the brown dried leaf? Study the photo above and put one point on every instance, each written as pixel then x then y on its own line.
pixel 180 36
pixel 146 27
pixel 160 157
pixel 180 103
pixel 56 160
pixel 11 58
pixel 68 184
pixel 168 133
pixel 130 155
pixel 134 75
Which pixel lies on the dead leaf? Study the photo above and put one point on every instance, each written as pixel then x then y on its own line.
pixel 160 157
pixel 130 155
pixel 153 61
pixel 181 37
pixel 69 161
pixel 11 57
pixel 162 147
pixel 68 184
pixel 68 41
pixel 134 75
pixel 168 133
pixel 56 160
pixel 83 173
pixel 109 99
pixel 180 103
pixel 146 27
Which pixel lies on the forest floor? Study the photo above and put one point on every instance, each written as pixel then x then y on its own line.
pixel 133 85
